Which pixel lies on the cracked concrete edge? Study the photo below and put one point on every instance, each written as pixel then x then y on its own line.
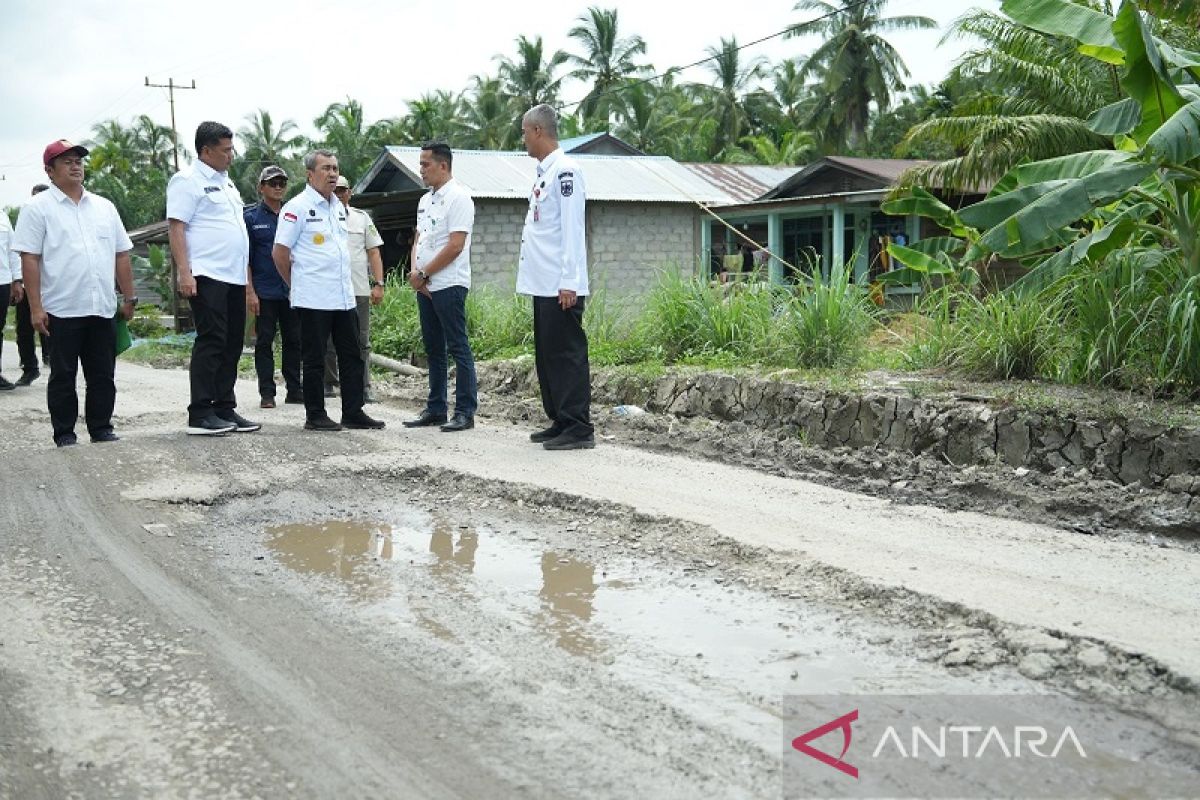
pixel 1124 450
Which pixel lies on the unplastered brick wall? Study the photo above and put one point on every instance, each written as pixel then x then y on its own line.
pixel 628 243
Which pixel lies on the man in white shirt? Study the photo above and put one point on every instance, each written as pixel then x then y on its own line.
pixel 553 270
pixel 366 273
pixel 11 288
pixel 73 249
pixel 211 251
pixel 26 338
pixel 441 276
pixel 312 254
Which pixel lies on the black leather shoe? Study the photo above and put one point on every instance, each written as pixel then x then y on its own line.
pixel 28 377
pixel 544 436
pixel 6 384
pixel 322 424
pixel 361 422
pixel 460 422
pixel 105 436
pixel 294 399
pixel 240 423
pixel 425 419
pixel 66 440
pixel 564 442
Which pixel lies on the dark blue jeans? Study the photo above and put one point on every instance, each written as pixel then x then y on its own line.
pixel 444 330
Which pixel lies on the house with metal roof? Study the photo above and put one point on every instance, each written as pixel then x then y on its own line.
pixel 644 213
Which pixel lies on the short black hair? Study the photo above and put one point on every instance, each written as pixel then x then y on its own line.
pixel 440 152
pixel 210 134
pixel 38 188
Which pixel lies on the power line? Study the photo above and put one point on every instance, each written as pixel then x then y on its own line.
pixel 739 48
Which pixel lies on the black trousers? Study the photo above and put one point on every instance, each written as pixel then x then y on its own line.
pixel 5 294
pixel 92 343
pixel 316 328
pixel 29 361
pixel 219 311
pixel 560 350
pixel 272 315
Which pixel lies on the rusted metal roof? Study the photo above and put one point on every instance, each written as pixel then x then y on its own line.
pixel 744 182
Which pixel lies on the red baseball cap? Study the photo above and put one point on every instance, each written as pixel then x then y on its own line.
pixel 56 149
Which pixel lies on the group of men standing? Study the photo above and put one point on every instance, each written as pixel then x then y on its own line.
pixel 309 269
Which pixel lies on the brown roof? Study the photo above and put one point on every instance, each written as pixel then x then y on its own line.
pixel 889 169
pixel 744 182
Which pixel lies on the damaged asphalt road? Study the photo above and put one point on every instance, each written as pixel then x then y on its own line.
pixel 412 614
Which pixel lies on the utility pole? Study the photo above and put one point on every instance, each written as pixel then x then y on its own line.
pixel 171 86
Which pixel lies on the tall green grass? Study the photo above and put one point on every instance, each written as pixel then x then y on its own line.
pixel 822 326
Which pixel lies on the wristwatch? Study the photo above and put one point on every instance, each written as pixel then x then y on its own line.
pixel 424 277
pixel 132 300
pixel 373 283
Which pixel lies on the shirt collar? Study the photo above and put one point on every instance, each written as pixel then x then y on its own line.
pixel 59 195
pixel 262 205
pixel 546 162
pixel 316 197
pixel 442 191
pixel 207 171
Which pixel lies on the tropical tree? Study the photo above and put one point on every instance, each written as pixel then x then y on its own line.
pixel 264 142
pixel 646 115
pixel 794 148
pixel 607 60
pixel 129 166
pixel 855 65
pixel 434 115
pixel 728 100
pixel 487 116
pixel 345 132
pixel 530 79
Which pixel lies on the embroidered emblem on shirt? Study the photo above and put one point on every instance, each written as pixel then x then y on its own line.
pixel 210 189
pixel 566 184
pixel 312 212
pixel 289 217
pixel 318 238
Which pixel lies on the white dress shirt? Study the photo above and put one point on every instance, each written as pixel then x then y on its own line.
pixel 362 236
pixel 314 229
pixel 554 242
pixel 10 260
pixel 78 245
pixel 207 202
pixel 448 210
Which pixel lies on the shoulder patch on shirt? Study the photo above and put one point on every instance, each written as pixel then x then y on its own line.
pixel 289 217
pixel 566 184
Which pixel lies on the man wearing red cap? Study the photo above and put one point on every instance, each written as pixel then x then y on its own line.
pixel 72 247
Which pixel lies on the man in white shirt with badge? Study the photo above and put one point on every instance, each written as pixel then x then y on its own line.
pixel 73 249
pixel 553 270
pixel 366 273
pixel 212 252
pixel 312 254
pixel 441 276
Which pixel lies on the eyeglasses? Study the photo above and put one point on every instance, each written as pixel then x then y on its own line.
pixel 278 183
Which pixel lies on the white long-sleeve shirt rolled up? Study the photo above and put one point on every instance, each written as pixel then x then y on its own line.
pixel 554 242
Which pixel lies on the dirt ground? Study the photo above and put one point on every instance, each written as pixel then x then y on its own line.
pixel 416 614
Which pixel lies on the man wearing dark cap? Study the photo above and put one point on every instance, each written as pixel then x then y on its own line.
pixel 25 338
pixel 73 247
pixel 267 296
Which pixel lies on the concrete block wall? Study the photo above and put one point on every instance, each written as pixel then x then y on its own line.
pixel 627 244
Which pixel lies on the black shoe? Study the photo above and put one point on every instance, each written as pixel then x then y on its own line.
pixel 361 422
pixel 212 425
pixel 105 436
pixel 460 422
pixel 266 402
pixel 544 436
pixel 425 419
pixel 240 423
pixel 66 440
pixel 6 384
pixel 322 424
pixel 294 399
pixel 565 442
pixel 28 377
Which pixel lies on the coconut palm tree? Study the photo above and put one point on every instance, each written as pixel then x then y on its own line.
pixel 346 133
pixel 487 118
pixel 728 99
pixel 607 60
pixel 646 114
pixel 856 66
pixel 267 142
pixel 530 79
pixel 155 143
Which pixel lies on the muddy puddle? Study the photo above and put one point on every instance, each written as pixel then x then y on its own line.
pixel 730 651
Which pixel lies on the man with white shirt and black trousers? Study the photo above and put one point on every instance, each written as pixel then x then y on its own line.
pixel 312 255
pixel 211 251
pixel 73 250
pixel 441 276
pixel 553 270
pixel 11 288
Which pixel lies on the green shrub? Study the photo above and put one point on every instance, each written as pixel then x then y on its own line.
pixel 1009 336
pixel 395 326
pixel 688 316
pixel 825 325
pixel 500 324
pixel 146 323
